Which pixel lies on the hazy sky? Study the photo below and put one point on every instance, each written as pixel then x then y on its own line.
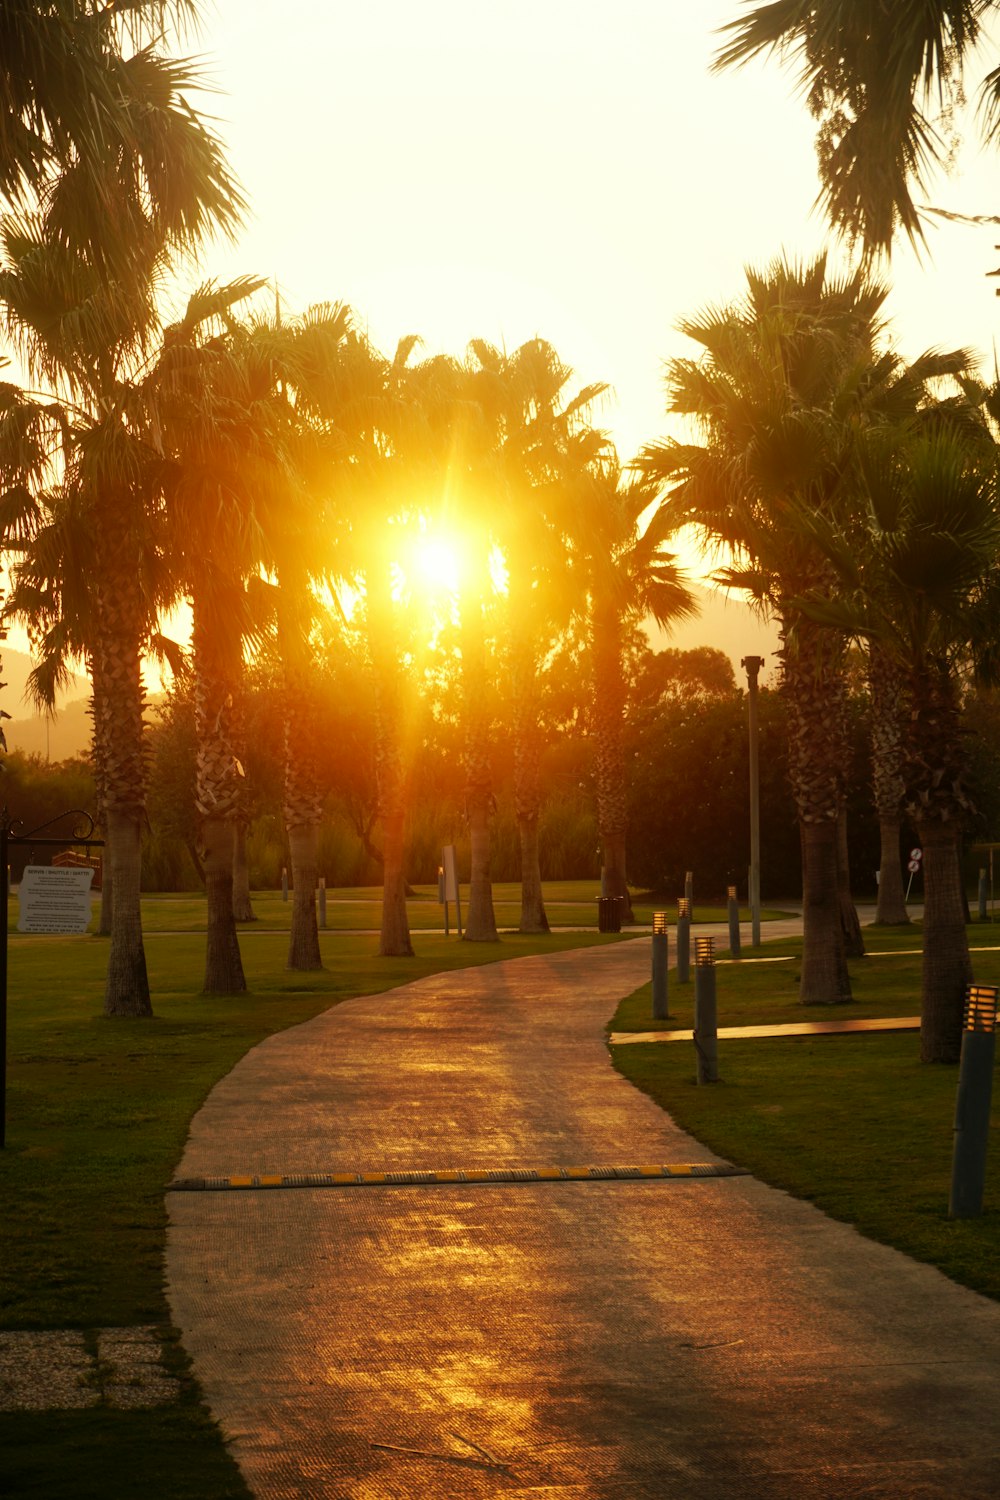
pixel 567 168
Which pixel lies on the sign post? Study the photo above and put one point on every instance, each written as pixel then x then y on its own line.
pixel 53 898
pixel 450 864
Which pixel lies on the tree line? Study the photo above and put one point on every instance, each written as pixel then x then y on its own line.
pixel 277 472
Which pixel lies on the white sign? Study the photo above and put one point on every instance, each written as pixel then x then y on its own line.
pixel 916 854
pixel 54 898
pixel 450 872
pixel 913 866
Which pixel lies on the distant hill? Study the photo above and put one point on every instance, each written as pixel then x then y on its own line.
pixel 59 738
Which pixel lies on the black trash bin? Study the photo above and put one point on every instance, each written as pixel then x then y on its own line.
pixel 609 914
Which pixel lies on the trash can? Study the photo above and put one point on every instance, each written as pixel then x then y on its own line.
pixel 609 914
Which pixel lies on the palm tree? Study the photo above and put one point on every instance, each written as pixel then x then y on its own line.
pixel 78 284
pixel 540 451
pixel 619 536
pixel 923 588
pixel 879 79
pixel 94 124
pixel 783 380
pixel 885 685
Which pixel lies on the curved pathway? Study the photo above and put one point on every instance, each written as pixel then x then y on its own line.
pixel 617 1340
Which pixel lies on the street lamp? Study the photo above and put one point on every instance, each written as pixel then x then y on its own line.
pixel 752 665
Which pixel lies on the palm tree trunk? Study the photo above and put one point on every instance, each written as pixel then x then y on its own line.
pixel 217 662
pixel 947 967
pixel 533 914
pixel 850 925
pixel 223 963
pixel 891 909
pixel 118 701
pixel 886 691
pixel 303 947
pixel 303 802
pixel 527 792
pixel 127 986
pixel 812 680
pixel 394 937
pixel 242 905
pixel 612 792
pixel 481 925
pixel 825 979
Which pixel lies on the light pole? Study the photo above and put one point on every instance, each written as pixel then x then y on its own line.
pixel 752 665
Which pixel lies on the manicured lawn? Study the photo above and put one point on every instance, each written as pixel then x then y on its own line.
pixel 569 903
pixel 98 1112
pixel 854 1123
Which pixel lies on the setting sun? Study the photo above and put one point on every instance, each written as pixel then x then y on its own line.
pixel 437 564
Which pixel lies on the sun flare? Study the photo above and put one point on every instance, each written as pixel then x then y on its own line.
pixel 438 564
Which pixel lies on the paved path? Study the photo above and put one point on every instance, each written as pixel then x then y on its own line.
pixel 618 1340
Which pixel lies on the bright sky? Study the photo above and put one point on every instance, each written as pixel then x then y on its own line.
pixel 567 168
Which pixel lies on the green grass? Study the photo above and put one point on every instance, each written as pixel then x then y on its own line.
pixel 855 1124
pixel 98 1112
pixel 569 903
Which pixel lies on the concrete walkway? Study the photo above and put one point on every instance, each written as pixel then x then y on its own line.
pixel 703 1338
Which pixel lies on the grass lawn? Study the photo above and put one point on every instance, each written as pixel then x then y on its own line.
pixel 98 1112
pixel 569 903
pixel 856 1124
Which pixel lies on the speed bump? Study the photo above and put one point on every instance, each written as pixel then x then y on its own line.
pixel 451 1177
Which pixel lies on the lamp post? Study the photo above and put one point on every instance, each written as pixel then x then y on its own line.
pixel 972 1105
pixel 706 1034
pixel 752 666
pixel 660 962
pixel 683 938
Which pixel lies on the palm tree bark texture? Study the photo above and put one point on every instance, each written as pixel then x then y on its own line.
pixel 609 769
pixel 812 677
pixel 394 937
pixel 886 690
pixel 481 925
pixel 935 781
pixel 118 701
pixel 527 792
pixel 217 792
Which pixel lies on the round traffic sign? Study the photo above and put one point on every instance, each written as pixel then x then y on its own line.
pixel 916 853
pixel 913 866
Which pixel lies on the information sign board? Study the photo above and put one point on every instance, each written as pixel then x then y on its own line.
pixel 54 899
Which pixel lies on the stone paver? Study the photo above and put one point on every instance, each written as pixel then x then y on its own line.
pixel 708 1339
pixel 57 1370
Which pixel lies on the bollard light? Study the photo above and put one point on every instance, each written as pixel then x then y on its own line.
pixel 704 952
pixel 660 962
pixel 706 1034
pixel 731 892
pixel 981 1007
pixel 972 1102
pixel 734 923
pixel 683 939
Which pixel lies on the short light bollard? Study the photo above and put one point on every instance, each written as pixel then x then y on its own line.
pixel 322 900
pixel 972 1103
pixel 661 959
pixel 734 923
pixel 683 940
pixel 284 883
pixel 706 1035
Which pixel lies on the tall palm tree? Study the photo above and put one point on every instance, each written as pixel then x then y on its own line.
pixel 619 537
pixel 879 80
pixel 923 588
pixel 783 380
pixel 78 284
pixel 94 124
pixel 540 451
